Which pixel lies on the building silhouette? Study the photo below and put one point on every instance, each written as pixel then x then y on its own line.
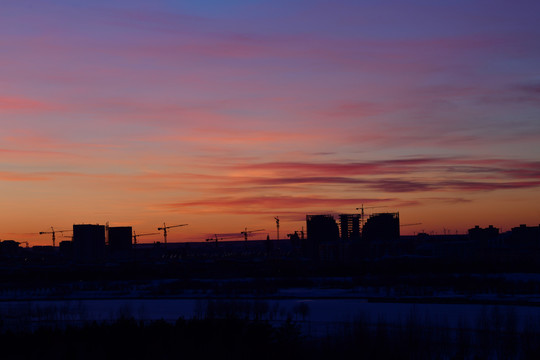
pixel 120 239
pixel 381 227
pixel 322 236
pixel 349 227
pixel 66 249
pixel 89 242
pixel 322 228
pixel 484 235
pixel 526 236
pixel 9 247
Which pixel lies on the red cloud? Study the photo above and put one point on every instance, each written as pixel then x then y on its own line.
pixel 267 204
pixel 401 175
pixel 17 104
pixel 17 176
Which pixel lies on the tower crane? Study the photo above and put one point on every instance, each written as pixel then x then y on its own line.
pixel 221 237
pixel 411 224
pixel 362 214
pixel 164 228
pixel 53 232
pixel 215 238
pixel 277 226
pixel 367 207
pixel 246 233
pixel 135 236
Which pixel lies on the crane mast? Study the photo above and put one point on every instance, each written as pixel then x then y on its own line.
pixel 135 236
pixel 362 214
pixel 164 228
pixel 277 226
pixel 246 232
pixel 53 232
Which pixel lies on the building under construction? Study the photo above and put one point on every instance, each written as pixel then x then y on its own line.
pixel 322 231
pixel 381 227
pixel 350 227
pixel 322 228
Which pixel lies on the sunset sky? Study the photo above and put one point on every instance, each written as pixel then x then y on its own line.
pixel 224 114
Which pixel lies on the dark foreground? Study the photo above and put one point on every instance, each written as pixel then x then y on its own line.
pixel 233 338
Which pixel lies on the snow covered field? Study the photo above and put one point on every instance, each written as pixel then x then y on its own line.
pixel 315 312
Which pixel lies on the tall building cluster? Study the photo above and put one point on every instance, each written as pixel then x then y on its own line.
pixel 89 241
pixel 381 226
pixel 329 241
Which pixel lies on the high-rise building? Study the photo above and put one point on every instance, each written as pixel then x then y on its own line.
pixel 383 226
pixel 349 226
pixel 89 242
pixel 322 228
pixel 120 238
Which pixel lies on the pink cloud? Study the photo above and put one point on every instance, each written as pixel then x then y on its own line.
pixel 23 104
pixel 36 156
pixel 340 169
pixel 401 175
pixel 18 176
pixel 265 204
